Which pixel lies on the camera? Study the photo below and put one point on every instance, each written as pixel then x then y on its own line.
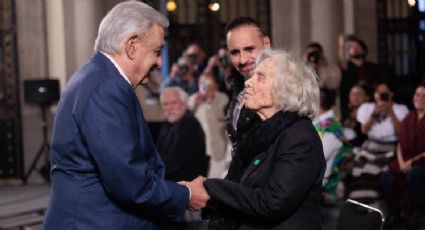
pixel 224 61
pixel 384 96
pixel 314 57
pixel 183 68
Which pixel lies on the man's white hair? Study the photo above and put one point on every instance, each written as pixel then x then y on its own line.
pixel 295 85
pixel 123 20
pixel 183 96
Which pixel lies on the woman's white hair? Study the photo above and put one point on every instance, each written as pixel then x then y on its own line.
pixel 124 19
pixel 182 94
pixel 295 85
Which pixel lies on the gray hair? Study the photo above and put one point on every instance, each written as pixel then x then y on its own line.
pixel 124 19
pixel 295 85
pixel 182 94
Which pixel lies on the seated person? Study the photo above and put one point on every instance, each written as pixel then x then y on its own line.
pixel 404 183
pixel 352 128
pixel 380 120
pixel 181 141
pixel 333 140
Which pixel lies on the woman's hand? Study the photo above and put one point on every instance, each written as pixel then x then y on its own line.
pixel 406 166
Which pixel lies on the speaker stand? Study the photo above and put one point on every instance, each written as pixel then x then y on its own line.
pixel 44 150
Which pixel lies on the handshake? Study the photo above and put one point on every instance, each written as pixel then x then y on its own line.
pixel 199 196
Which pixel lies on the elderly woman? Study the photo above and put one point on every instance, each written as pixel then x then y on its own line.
pixel 282 157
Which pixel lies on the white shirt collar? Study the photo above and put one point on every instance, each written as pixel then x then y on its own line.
pixel 117 66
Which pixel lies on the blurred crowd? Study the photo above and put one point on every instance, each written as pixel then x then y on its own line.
pixel 374 146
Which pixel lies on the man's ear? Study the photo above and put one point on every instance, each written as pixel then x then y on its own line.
pixel 266 42
pixel 131 46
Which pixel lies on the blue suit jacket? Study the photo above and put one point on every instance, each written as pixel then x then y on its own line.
pixel 107 173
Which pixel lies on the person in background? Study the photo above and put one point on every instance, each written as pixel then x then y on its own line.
pixel 329 75
pixel 334 145
pixel 220 66
pixel 403 185
pixel 182 74
pixel 197 58
pixel 181 141
pixel 208 106
pixel 148 96
pixel 380 120
pixel 245 40
pixel 106 172
pixel 356 69
pixel 352 128
pixel 283 148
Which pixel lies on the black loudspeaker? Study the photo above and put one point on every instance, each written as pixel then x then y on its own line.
pixel 45 91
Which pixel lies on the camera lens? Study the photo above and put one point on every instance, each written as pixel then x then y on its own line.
pixel 314 57
pixel 224 61
pixel 384 96
pixel 183 68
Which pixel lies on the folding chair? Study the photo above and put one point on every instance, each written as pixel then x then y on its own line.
pixel 355 215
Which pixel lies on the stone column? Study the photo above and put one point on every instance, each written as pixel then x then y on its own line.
pixel 348 11
pixel 55 30
pixel 326 24
pixel 290 24
pixel 81 19
pixel 32 54
pixel 366 25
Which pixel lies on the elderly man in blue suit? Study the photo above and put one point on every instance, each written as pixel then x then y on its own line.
pixel 107 173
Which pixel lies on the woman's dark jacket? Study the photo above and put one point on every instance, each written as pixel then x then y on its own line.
pixel 281 186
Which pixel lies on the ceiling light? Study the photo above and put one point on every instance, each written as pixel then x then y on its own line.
pixel 214 6
pixel 171 6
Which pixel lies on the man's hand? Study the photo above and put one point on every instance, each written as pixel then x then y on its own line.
pixel 174 71
pixel 199 196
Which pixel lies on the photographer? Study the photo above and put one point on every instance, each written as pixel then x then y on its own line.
pixel 330 75
pixel 197 57
pixel 182 75
pixel 380 120
pixel 357 69
pixel 220 66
